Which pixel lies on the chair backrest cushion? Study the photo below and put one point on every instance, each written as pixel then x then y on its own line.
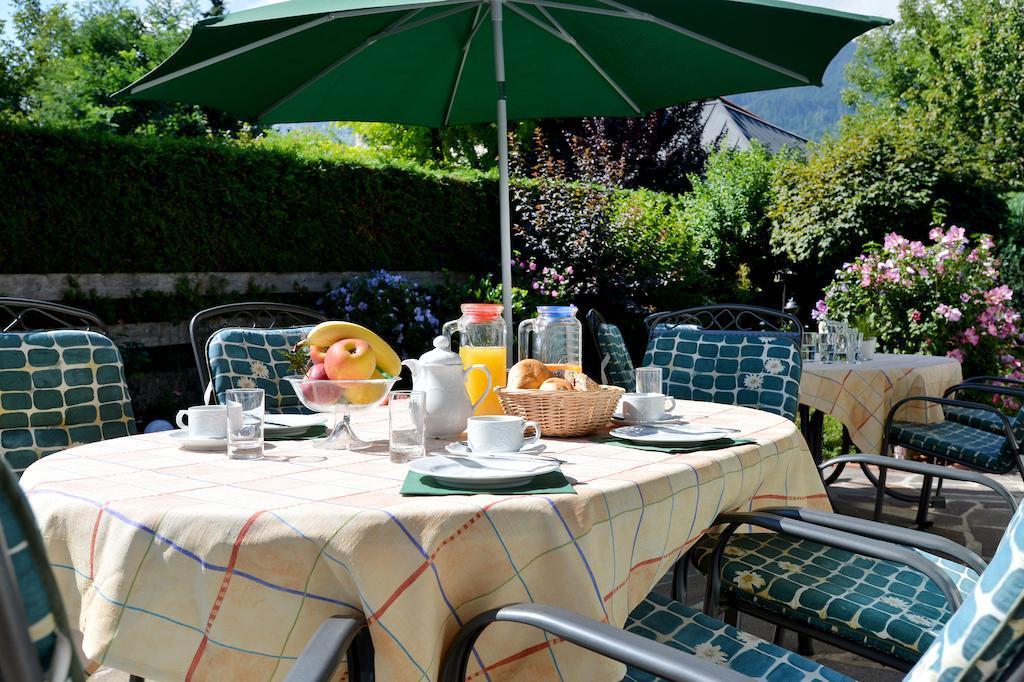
pixel 250 358
pixel 619 371
pixel 37 589
pixel 57 389
pixel 752 369
pixel 1017 424
pixel 985 637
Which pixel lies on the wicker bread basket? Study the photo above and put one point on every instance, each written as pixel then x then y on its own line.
pixel 562 413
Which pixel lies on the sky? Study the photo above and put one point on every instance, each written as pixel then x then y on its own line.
pixel 884 8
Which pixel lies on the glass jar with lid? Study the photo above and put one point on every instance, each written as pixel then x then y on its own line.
pixel 555 337
pixel 481 341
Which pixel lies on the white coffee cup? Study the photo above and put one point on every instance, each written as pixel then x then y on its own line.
pixel 204 421
pixel 500 433
pixel 646 407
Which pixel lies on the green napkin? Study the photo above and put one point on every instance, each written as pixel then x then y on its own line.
pixel 553 482
pixel 720 444
pixel 317 431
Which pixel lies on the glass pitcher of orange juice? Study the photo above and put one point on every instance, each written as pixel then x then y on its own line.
pixel 482 341
pixel 557 337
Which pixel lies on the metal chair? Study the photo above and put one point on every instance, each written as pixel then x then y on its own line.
pixel 982 639
pixel 337 637
pixel 616 364
pixel 63 381
pixel 728 317
pixel 253 315
pixel 980 418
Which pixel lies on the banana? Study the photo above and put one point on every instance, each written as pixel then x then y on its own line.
pixel 326 333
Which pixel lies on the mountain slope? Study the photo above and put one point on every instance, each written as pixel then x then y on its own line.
pixel 808 111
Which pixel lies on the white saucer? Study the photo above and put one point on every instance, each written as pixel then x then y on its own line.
pixel 291 424
pixel 666 418
pixel 481 474
pixel 186 440
pixel 460 448
pixel 672 434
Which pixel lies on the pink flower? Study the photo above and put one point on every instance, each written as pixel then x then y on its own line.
pixel 948 312
pixel 955 236
pixel 971 336
pixel 935 234
pixel 536 285
pixel 916 249
pixel 894 242
pixel 820 310
pixel 998 295
pixel 964 298
pixel 533 266
pixel 554 294
pixel 915 315
pixel 568 270
pixel 957 355
pixel 992 330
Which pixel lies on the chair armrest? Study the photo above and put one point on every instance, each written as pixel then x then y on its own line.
pixel 652 657
pixel 984 379
pixel 322 654
pixel 925 468
pixel 18 658
pixel 1007 428
pixel 984 388
pixel 878 549
pixel 882 531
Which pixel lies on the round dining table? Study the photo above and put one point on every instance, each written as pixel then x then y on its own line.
pixel 178 564
pixel 860 395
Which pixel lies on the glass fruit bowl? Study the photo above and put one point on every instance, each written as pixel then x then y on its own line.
pixel 340 398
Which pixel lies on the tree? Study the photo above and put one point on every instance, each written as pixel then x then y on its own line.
pixel 66 63
pixel 957 69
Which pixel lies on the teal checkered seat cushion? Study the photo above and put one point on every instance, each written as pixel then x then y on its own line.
pixel 752 369
pixel 36 588
pixel 619 370
pixel 251 358
pixel 57 389
pixel 669 622
pixel 956 442
pixel 975 417
pixel 880 604
pixel 984 640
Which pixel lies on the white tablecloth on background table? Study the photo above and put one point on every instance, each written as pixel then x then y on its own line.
pixel 861 395
pixel 188 565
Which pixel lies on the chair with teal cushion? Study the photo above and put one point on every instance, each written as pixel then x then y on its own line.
pixel 59 388
pixel 251 358
pixel 35 638
pixel 616 364
pixel 983 386
pixel 264 315
pixel 982 641
pixel 751 369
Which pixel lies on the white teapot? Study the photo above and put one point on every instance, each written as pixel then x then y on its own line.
pixel 439 374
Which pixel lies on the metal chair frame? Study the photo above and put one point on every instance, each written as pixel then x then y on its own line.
pixel 19 315
pixel 251 314
pixel 726 317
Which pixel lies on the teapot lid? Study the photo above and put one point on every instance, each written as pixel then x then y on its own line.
pixel 440 355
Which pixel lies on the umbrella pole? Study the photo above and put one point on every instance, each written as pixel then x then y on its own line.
pixel 503 200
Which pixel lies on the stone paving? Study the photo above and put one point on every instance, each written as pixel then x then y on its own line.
pixel 972 516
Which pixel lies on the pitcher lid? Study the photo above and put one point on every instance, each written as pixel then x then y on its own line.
pixel 441 355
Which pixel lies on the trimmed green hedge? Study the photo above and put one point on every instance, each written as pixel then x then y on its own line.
pixel 75 201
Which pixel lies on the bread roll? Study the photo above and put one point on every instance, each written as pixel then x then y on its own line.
pixel 528 374
pixel 556 384
pixel 581 382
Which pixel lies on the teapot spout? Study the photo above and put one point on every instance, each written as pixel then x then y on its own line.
pixel 414 368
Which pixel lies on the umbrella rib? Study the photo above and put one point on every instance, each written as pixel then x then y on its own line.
pixel 593 62
pixel 699 37
pixel 537 22
pixel 481 13
pixel 399 26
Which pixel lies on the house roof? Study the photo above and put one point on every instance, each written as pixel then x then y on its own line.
pixel 727 123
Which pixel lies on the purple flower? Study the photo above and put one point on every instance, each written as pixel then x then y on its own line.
pixel 820 310
pixel 533 266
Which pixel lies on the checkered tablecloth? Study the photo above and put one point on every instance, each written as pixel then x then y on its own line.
pixel 187 565
pixel 861 395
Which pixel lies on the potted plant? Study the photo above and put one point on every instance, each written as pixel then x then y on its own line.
pixel 865 324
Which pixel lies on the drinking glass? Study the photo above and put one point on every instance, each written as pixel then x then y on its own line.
pixel 406 425
pixel 648 380
pixel 245 407
pixel 809 346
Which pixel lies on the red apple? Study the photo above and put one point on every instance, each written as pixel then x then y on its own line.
pixel 350 360
pixel 317 355
pixel 317 371
pixel 319 393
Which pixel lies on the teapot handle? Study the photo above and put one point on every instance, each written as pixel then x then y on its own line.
pixel 487 390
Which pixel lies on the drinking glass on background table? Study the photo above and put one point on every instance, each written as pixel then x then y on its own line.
pixel 245 408
pixel 809 346
pixel 406 425
pixel 648 380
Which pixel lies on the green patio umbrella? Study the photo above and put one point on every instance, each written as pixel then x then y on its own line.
pixel 449 62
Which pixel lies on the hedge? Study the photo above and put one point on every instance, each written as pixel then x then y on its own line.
pixel 78 201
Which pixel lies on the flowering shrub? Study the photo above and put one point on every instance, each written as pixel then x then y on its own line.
pixel 394 307
pixel 943 298
pixel 546 285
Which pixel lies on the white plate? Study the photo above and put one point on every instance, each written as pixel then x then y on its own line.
pixel 681 434
pixel 291 424
pixel 186 440
pixel 459 448
pixel 666 418
pixel 483 474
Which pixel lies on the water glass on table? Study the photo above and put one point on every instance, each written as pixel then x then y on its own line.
pixel 648 380
pixel 245 408
pixel 809 346
pixel 406 425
